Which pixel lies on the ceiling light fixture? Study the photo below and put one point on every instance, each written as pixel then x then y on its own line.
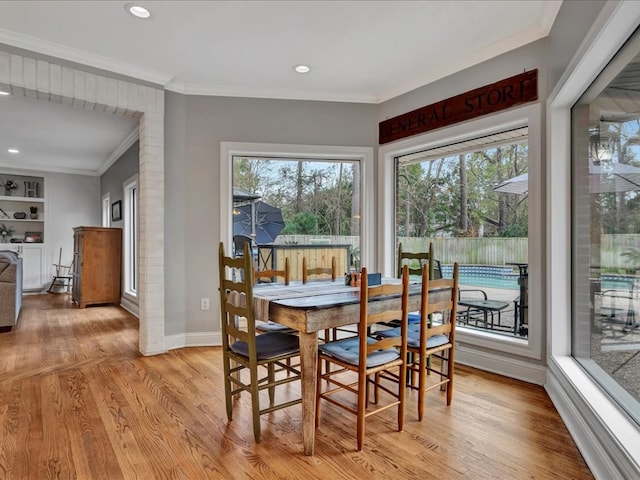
pixel 2 92
pixel 13 150
pixel 137 10
pixel 302 68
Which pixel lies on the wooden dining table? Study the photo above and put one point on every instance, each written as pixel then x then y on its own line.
pixel 324 306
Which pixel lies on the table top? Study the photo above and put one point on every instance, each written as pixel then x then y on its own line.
pixel 485 304
pixel 318 300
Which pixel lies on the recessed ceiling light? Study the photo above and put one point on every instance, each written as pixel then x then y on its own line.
pixel 302 68
pixel 13 150
pixel 2 92
pixel 137 10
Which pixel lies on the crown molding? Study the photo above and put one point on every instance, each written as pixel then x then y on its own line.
pixel 226 91
pixel 81 57
pixel 120 150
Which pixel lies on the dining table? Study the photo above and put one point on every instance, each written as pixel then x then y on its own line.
pixel 315 307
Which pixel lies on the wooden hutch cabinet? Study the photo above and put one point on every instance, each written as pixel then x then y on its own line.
pixel 97 259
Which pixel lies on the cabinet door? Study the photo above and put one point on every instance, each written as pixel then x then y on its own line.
pixel 32 267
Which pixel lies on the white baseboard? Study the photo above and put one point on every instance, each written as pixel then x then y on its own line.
pixel 498 363
pixel 606 437
pixel 199 339
pixel 129 306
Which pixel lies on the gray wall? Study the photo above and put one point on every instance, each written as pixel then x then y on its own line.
pixel 572 24
pixel 195 126
pixel 122 169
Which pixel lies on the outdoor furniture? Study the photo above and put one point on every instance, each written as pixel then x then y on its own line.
pixel 242 349
pixel 368 358
pixel 480 308
pixel 520 303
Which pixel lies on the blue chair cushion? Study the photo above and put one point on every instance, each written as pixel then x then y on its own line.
pixel 348 351
pixel 273 327
pixel 414 317
pixel 269 345
pixel 413 336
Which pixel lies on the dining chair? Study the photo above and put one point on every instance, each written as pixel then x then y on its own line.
pixel 362 359
pixel 331 271
pixel 244 352
pixel 422 258
pixel 323 273
pixel 433 337
pixel 269 275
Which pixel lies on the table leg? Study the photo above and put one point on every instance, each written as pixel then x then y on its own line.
pixel 308 362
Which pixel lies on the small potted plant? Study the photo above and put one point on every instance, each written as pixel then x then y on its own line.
pixel 34 212
pixel 5 232
pixel 9 185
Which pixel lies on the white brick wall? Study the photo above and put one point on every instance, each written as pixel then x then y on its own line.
pixel 51 82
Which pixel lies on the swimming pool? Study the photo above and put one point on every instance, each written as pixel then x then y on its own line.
pixel 492 276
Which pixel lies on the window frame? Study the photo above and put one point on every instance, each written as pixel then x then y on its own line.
pixel 530 116
pixel 130 217
pixel 363 155
pixel 106 210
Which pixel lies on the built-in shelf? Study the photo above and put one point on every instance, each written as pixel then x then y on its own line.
pixel 28 196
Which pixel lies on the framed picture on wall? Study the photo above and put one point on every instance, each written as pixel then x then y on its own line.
pixel 116 211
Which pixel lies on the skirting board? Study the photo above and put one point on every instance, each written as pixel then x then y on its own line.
pixel 606 439
pixel 200 339
pixel 496 363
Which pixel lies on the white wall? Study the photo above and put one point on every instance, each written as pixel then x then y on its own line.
pixel 71 201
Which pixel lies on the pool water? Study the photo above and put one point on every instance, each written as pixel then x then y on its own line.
pixel 491 276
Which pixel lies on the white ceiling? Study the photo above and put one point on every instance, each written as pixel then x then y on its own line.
pixel 359 51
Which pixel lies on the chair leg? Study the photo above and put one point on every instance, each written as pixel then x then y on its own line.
pixel 227 388
pixel 255 402
pixel 271 379
pixel 318 391
pixel 362 403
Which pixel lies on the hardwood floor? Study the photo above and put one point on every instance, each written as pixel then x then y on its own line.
pixel 77 400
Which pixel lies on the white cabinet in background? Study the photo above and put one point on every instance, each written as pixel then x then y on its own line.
pixel 32 262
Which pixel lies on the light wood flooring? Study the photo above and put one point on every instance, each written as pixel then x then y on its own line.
pixel 78 401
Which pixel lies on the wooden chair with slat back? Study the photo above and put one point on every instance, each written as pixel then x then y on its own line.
pixel 244 350
pixel 432 337
pixel 322 271
pixel 365 358
pixel 269 275
pixel 410 258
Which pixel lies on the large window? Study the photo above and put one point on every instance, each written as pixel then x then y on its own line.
pixel 470 201
pixel 606 228
pixel 130 217
pixel 294 208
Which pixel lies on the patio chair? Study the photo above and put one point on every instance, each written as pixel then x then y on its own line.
pixel 362 359
pixel 479 308
pixel 245 352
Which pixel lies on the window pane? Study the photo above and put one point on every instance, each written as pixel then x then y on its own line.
pixel 606 228
pixel 472 205
pixel 292 208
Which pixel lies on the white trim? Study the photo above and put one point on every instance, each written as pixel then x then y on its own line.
pixel 130 306
pixel 529 116
pixel 130 223
pixel 106 210
pixel 498 363
pixel 195 339
pixel 606 438
pixel 362 154
pixel 120 150
pixel 84 58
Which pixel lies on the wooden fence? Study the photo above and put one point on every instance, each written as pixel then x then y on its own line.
pixel 486 250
